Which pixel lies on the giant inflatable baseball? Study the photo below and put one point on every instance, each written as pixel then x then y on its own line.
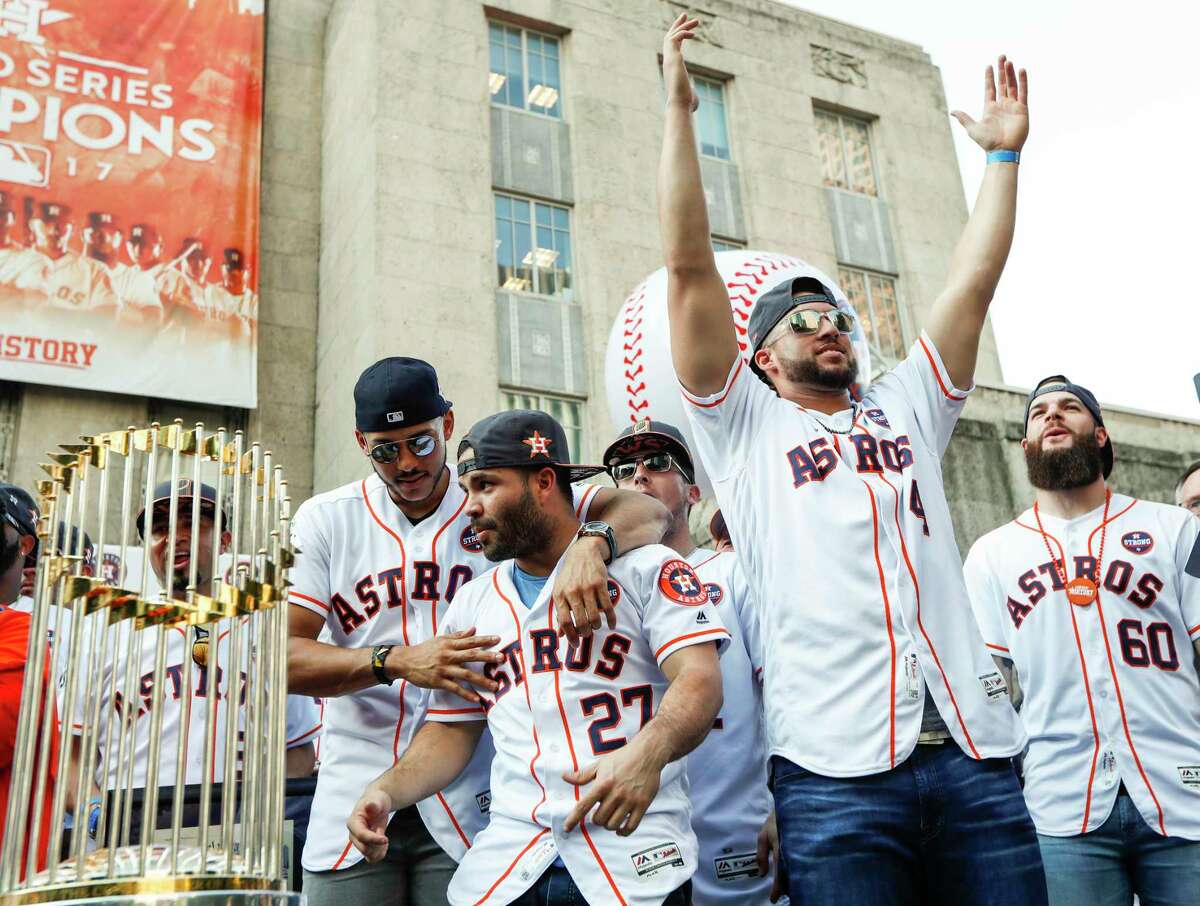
pixel 639 379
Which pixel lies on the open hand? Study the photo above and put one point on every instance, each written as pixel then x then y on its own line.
pixel 441 662
pixel 1004 124
pixel 368 824
pixel 675 77
pixel 622 784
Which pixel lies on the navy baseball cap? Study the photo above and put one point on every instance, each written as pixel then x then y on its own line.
pixel 397 392
pixel 776 302
pixel 20 510
pixel 519 438
pixel 1059 383
pixel 208 501
pixel 647 436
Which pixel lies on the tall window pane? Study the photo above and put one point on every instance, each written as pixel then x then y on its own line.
pixel 844 144
pixel 533 247
pixel 713 132
pixel 874 299
pixel 524 69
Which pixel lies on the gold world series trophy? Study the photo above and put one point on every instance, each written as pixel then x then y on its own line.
pixel 178 791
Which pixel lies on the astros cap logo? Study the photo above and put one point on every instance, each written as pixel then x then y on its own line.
pixel 538 444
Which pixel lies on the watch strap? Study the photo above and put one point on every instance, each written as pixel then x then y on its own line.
pixel 378 659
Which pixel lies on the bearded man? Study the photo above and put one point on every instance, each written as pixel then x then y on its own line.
pixel 1093 597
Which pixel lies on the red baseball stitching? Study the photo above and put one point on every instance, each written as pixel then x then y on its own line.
pixel 631 347
pixel 752 272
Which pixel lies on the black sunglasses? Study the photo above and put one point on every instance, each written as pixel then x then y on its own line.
pixel 655 462
pixel 389 451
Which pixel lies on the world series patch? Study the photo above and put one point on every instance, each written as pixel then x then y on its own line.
pixel 679 582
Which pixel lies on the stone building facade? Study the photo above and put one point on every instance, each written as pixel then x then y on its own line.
pixel 475 184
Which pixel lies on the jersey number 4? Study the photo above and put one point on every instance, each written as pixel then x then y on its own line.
pixel 610 716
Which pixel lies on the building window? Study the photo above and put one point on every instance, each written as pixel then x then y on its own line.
pixel 846 159
pixel 712 131
pixel 533 247
pixel 568 413
pixel 524 71
pixel 874 299
pixel 725 245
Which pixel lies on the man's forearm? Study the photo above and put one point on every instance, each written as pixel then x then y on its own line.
pixel 636 519
pixel 686 714
pixel 683 212
pixel 982 250
pixel 327 671
pixel 437 755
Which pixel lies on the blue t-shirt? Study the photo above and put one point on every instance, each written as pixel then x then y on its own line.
pixel 528 587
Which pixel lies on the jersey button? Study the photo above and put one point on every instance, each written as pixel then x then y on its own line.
pixel 553 747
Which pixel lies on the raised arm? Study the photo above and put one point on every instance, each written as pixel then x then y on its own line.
pixel 956 321
pixel 437 755
pixel 703 341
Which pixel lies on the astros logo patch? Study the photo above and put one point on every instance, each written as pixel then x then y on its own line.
pixel 614 592
pixel 877 416
pixel 470 541
pixel 1137 542
pixel 716 594
pixel 538 445
pixel 679 582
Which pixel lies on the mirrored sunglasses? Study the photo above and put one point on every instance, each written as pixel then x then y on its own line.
pixel 805 320
pixel 389 450
pixel 655 462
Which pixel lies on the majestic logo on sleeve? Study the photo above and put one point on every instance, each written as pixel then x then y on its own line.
pixel 538 445
pixel 1137 542
pixel 470 541
pixel 679 582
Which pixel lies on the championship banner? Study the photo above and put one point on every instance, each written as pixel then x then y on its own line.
pixel 130 137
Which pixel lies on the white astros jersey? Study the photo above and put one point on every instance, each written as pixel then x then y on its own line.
pixel 1111 688
pixel 303 714
pixel 23 269
pixel 558 708
pixel 843 530
pixel 137 288
pixel 727 773
pixel 377 579
pixel 79 283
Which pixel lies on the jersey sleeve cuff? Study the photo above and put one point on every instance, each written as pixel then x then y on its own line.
pixel 930 353
pixel 586 495
pixel 308 602
pixel 1000 649
pixel 307 736
pixel 456 715
pixel 715 399
pixel 1194 632
pixel 718 634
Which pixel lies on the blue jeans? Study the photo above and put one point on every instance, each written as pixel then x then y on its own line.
pixel 941 828
pixel 555 888
pixel 1121 857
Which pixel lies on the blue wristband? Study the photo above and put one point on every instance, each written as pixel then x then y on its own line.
pixel 1004 157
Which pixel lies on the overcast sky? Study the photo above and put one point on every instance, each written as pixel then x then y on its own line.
pixel 1100 281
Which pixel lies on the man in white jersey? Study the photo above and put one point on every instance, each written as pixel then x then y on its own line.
pixel 841 524
pixel 379 561
pixel 136 283
pixel 1094 597
pixel 589 795
pixel 727 773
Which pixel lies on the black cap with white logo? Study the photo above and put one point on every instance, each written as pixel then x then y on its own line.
pixel 519 438
pixel 397 392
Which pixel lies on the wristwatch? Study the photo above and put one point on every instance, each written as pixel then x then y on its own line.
pixel 600 530
pixel 378 657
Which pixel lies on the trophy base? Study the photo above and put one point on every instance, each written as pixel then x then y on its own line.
pixel 196 877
